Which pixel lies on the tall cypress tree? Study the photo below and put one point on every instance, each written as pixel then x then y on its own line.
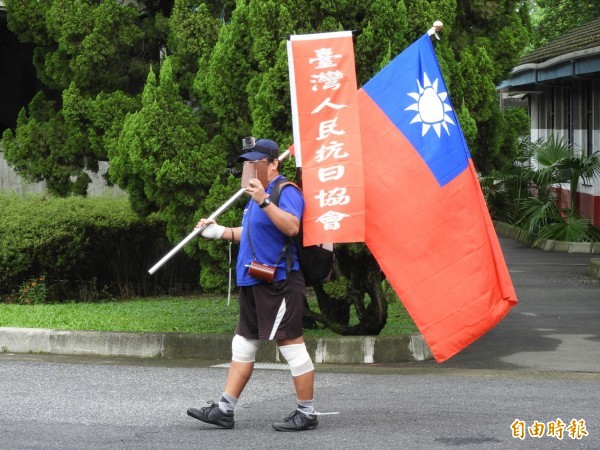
pixel 160 157
pixel 82 49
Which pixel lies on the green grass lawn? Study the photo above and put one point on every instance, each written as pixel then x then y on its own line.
pixel 167 314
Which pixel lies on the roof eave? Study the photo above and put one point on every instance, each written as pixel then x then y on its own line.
pixel 572 64
pixel 587 52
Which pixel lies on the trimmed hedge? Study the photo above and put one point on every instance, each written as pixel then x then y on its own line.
pixel 86 244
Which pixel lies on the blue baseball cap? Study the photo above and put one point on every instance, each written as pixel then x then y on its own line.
pixel 262 149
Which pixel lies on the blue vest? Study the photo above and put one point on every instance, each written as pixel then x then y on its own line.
pixel 267 240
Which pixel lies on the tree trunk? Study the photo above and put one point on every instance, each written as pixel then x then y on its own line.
pixel 356 269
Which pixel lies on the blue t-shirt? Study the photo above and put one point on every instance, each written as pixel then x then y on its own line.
pixel 267 240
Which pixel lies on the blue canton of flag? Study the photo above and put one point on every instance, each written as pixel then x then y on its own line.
pixel 412 93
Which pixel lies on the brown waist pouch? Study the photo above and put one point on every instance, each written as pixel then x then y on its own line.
pixel 261 271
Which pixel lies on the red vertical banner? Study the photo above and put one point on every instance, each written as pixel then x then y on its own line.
pixel 327 143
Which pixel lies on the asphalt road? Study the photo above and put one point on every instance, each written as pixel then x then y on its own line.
pixel 541 365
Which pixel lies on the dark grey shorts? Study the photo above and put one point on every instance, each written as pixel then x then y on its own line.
pixel 272 310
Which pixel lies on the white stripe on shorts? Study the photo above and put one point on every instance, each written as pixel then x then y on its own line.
pixel 278 319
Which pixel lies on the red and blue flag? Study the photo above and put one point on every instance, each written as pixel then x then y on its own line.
pixel 427 223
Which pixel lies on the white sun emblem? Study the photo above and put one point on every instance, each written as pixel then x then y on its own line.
pixel 430 107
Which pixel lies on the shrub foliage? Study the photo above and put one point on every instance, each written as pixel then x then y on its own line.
pixel 83 247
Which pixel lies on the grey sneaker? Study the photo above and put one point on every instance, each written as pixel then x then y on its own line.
pixel 297 421
pixel 213 415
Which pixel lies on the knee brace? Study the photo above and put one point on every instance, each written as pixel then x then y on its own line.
pixel 243 350
pixel 297 358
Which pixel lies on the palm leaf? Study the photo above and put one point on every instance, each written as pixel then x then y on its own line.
pixel 536 214
pixel 550 153
pixel 570 228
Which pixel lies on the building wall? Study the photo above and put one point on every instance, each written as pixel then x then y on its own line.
pixel 589 207
pixel 573 112
pixel 11 181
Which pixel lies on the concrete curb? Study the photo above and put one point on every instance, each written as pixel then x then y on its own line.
pixel 210 347
pixel 549 245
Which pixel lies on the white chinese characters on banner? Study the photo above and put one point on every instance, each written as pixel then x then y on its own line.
pixel 324 81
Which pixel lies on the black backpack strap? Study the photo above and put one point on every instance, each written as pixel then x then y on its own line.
pixel 274 196
pixel 275 193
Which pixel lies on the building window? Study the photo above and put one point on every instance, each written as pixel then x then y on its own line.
pixel 569 108
pixel 589 122
pixel 552 126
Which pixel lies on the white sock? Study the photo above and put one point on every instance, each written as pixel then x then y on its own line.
pixel 306 407
pixel 227 403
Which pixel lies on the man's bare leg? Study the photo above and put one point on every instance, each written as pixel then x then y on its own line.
pixel 237 378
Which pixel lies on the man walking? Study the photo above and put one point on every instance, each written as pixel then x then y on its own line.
pixel 271 295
